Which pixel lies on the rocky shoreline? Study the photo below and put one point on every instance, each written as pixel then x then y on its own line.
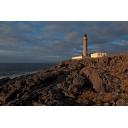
pixel 102 81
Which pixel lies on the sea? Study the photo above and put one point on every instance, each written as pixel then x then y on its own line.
pixel 13 70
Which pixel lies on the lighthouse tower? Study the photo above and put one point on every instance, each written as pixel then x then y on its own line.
pixel 84 51
pixel 84 42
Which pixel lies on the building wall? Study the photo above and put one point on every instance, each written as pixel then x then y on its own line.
pixel 98 55
pixel 77 58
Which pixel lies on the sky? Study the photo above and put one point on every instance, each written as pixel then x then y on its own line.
pixel 36 42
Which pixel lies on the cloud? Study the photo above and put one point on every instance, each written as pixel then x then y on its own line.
pixel 24 26
pixel 49 41
pixel 71 36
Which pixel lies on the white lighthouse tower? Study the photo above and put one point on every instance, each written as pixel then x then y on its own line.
pixel 84 43
pixel 84 51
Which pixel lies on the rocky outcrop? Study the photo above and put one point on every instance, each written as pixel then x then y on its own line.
pixel 102 81
pixel 4 80
pixel 93 77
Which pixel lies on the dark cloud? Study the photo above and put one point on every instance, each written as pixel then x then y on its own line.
pixel 52 41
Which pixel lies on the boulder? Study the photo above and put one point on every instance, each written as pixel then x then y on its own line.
pixel 94 78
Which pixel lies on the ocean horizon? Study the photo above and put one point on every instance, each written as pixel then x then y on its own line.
pixel 13 70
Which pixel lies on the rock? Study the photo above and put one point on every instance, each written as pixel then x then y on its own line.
pixel 4 80
pixel 106 104
pixel 94 78
pixel 101 81
pixel 121 102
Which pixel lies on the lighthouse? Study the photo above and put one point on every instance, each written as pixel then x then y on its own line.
pixel 85 54
pixel 85 49
pixel 84 43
